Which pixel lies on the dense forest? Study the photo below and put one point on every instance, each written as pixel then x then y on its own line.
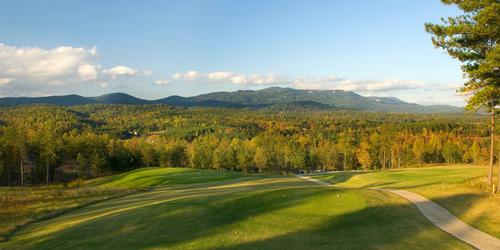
pixel 44 144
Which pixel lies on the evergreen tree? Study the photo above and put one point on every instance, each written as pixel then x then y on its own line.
pixel 473 39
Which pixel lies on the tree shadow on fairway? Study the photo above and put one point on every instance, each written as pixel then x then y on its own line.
pixel 343 177
pixel 259 219
pixel 336 178
pixel 157 176
pixel 380 225
pixel 396 185
pixel 484 220
pixel 164 224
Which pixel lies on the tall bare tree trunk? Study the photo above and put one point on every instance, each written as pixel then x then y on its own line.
pixel 492 144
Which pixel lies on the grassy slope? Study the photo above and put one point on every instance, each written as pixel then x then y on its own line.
pixel 461 189
pixel 150 177
pixel 193 209
pixel 19 206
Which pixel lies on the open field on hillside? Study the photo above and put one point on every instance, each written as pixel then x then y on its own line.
pixel 461 189
pixel 196 209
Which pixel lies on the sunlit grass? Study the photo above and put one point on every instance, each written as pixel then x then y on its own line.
pixel 235 211
pixel 19 206
pixel 462 189
pixel 149 177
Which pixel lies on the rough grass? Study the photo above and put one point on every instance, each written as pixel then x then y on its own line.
pixel 19 206
pixel 462 189
pixel 234 211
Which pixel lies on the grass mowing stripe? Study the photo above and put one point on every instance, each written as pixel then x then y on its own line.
pixel 255 212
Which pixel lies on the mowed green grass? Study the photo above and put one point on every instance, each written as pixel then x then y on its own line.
pixel 19 206
pixel 151 177
pixel 462 189
pixel 218 210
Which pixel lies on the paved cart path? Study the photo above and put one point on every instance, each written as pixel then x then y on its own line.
pixel 440 217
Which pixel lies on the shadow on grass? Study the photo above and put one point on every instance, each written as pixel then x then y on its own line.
pixel 57 213
pixel 197 200
pixel 213 221
pixel 389 185
pixel 336 178
pixel 375 227
pixel 154 176
pixel 461 204
pixel 378 226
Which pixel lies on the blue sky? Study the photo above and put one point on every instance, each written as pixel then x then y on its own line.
pixel 154 49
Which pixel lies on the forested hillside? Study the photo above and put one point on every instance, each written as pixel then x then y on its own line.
pixel 269 98
pixel 44 144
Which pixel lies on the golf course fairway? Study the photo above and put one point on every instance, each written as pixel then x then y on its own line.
pixel 197 209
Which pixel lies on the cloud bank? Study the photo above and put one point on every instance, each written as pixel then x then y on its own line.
pixel 229 77
pixel 161 82
pixel 34 70
pixel 408 90
pixel 270 79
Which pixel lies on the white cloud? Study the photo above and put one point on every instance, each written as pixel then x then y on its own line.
pixel 4 81
pixel 176 76
pixel 190 76
pixel 451 86
pixel 377 86
pixel 238 79
pixel 383 87
pixel 120 71
pixel 36 64
pixel 219 75
pixel 329 82
pixel 332 82
pixel 229 77
pixel 161 82
pixel 422 96
pixel 32 70
pixel 88 72
pixel 266 79
pixel 362 86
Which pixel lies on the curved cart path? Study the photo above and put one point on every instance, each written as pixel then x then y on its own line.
pixel 440 217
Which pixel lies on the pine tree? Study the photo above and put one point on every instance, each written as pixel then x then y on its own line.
pixel 473 39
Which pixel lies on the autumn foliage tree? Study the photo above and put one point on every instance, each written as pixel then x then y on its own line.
pixel 95 140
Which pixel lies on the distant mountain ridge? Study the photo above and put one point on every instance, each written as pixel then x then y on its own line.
pixel 274 97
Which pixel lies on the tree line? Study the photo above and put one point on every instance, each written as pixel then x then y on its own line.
pixel 42 144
